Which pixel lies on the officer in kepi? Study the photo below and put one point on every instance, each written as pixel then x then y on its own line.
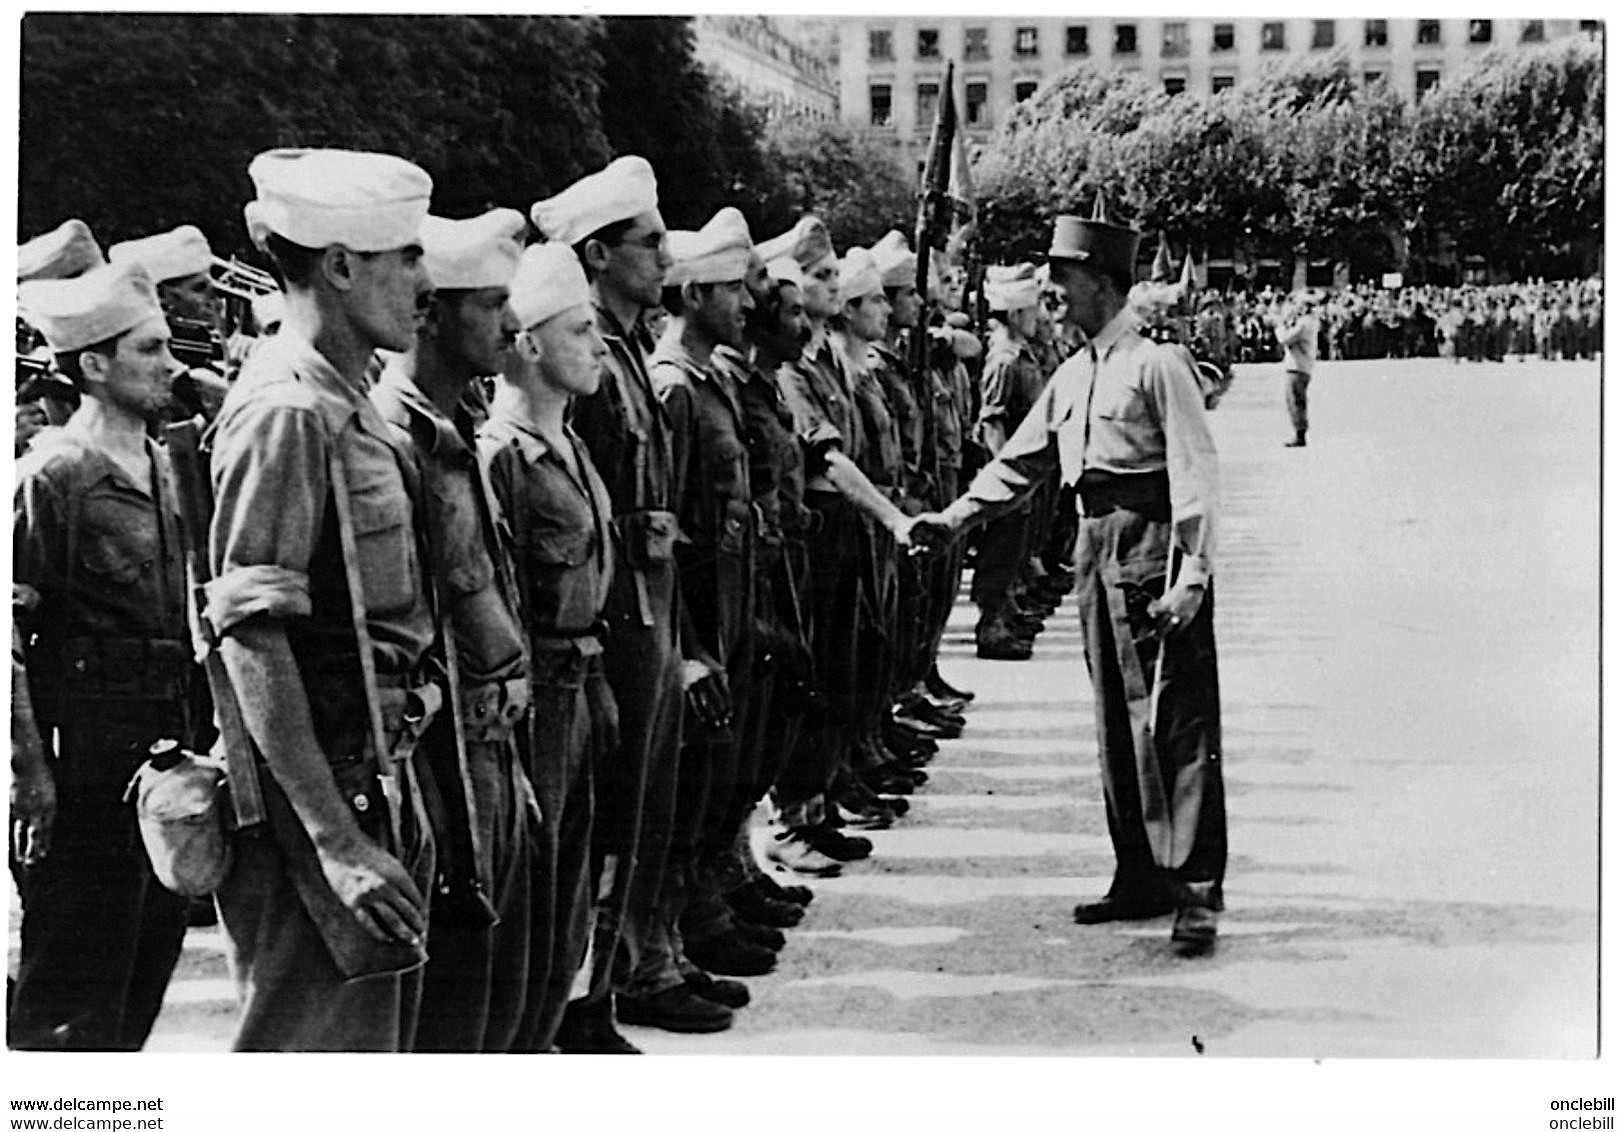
pixel 1124 422
pixel 99 595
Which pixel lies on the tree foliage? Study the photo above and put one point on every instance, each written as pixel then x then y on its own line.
pixel 496 109
pixel 837 171
pixel 1508 158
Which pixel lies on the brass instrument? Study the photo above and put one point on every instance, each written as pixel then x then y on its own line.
pixel 239 284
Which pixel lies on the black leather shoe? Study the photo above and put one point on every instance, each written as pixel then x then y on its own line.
pixel 591 1029
pixel 1004 648
pixel 1111 910
pixel 750 903
pixel 1195 931
pixel 759 934
pixel 937 686
pixel 836 845
pixel 723 992
pixel 794 893
pixel 677 1009
pixel 730 954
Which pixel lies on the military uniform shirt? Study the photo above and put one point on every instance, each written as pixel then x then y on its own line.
pixel 561 524
pixel 274 540
pixel 1121 404
pixel 467 557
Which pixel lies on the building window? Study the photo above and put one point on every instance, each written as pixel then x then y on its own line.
pixel 1374 77
pixel 1274 35
pixel 1026 41
pixel 975 103
pixel 1533 31
pixel 1325 34
pixel 1076 39
pixel 1024 90
pixel 1425 80
pixel 1479 31
pixel 1222 83
pixel 1428 33
pixel 1174 84
pixel 879 43
pixel 1127 40
pixel 1223 37
pixel 975 43
pixel 925 108
pixel 1375 33
pixel 1592 28
pixel 930 43
pixel 879 104
pixel 1175 40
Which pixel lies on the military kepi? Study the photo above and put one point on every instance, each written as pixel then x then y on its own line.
pixel 315 198
pixel 1096 242
pixel 100 304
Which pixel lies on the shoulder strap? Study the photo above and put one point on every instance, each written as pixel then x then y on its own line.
pixel 363 636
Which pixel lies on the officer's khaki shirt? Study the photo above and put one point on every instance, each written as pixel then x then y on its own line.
pixel 1121 404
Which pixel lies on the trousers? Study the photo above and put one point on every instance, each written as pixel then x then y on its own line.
pixel 1164 793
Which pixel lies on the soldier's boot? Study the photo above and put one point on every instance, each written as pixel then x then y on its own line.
pixel 1195 921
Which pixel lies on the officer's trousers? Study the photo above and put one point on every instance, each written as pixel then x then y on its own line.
pixel 1164 794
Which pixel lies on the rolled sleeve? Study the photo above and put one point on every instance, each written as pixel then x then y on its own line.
pixel 250 590
pixel 271 488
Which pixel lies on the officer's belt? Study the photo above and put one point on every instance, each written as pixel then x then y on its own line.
pixel 117 668
pixel 1147 493
pixel 490 710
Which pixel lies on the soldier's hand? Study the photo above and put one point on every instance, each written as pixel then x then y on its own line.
pixel 1173 611
pixel 33 813
pixel 704 686
pixel 377 890
pixel 931 533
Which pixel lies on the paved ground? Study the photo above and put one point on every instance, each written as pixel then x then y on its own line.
pixel 1408 633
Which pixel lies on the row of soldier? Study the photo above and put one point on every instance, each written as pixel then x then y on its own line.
pixel 513 658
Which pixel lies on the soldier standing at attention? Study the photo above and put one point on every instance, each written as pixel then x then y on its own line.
pixel 321 607
pixel 1011 379
pixel 612 220
pixel 1124 421
pixel 560 512
pixel 99 588
pixel 473 782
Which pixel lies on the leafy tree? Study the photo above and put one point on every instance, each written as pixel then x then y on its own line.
pixel 839 172
pixel 165 137
pixel 1509 157
pixel 659 102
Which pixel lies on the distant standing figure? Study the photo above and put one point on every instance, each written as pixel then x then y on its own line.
pixel 1298 333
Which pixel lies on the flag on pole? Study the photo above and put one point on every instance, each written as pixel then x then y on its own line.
pixel 1187 275
pixel 1161 269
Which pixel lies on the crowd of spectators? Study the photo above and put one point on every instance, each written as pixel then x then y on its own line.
pixel 1471 322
